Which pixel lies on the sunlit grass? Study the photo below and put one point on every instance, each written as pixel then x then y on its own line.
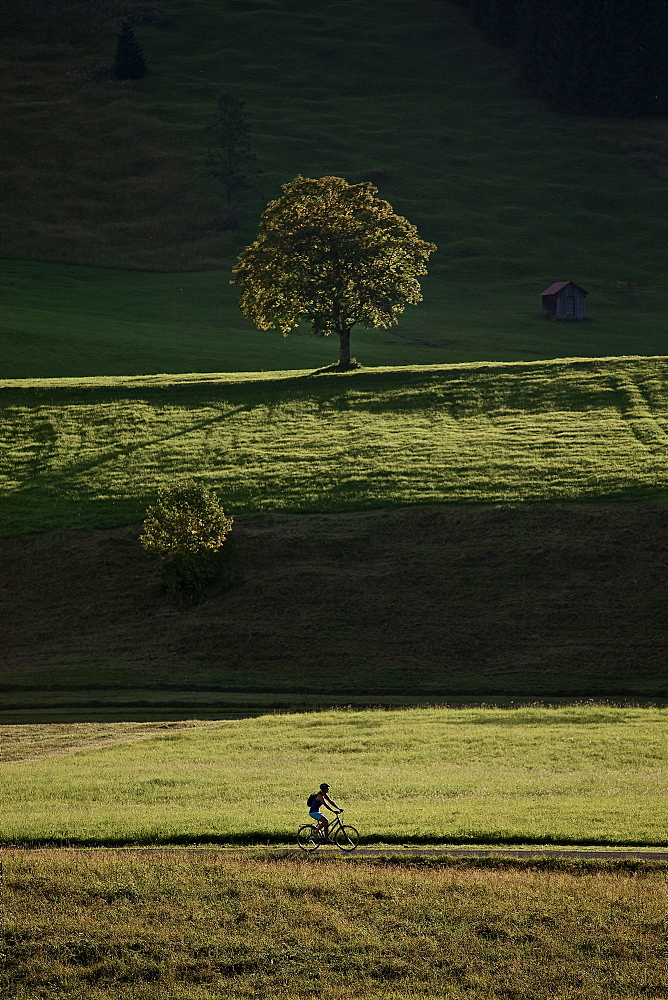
pixel 559 430
pixel 578 775
pixel 109 927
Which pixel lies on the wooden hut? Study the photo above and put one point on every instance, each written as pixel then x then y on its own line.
pixel 564 300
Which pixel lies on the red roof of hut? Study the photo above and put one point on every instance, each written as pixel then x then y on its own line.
pixel 558 285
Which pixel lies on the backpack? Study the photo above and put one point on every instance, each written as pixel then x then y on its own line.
pixel 311 799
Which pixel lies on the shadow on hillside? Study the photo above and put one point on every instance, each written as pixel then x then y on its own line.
pixel 32 510
pixel 26 713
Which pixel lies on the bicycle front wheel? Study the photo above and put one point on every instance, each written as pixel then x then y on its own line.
pixel 307 839
pixel 347 838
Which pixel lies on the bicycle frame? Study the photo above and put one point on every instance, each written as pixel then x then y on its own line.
pixel 334 825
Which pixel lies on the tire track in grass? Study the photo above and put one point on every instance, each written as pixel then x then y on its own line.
pixel 636 411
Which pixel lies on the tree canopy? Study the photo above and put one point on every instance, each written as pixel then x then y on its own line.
pixel 184 528
pixel 334 255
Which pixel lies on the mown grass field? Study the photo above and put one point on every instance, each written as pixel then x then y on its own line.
pixel 514 196
pixel 198 927
pixel 573 775
pixel 92 454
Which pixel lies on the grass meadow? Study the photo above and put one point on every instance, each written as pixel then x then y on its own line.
pixel 198 927
pixel 585 774
pixel 63 321
pixel 81 454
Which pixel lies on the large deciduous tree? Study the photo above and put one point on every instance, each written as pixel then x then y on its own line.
pixel 334 255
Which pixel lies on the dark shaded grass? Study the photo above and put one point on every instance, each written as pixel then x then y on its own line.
pixel 574 866
pixel 465 603
pixel 17 708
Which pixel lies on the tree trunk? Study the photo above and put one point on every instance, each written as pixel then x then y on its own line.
pixel 344 348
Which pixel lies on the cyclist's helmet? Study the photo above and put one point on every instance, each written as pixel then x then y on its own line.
pixel 324 787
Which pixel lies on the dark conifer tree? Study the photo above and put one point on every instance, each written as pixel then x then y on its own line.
pixel 627 57
pixel 656 81
pixel 129 62
pixel 534 40
pixel 578 53
pixel 596 58
pixel 641 56
pixel 583 56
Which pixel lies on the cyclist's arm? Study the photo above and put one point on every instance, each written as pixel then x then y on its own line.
pixel 332 806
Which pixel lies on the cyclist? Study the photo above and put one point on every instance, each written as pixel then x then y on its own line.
pixel 319 800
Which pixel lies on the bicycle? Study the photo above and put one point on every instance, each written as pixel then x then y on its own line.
pixel 346 838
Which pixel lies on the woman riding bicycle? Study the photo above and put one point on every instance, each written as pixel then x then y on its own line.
pixel 317 802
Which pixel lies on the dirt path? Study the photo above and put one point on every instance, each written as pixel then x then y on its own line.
pixel 21 743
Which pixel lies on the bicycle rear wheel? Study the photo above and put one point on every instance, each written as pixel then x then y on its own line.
pixel 306 838
pixel 346 838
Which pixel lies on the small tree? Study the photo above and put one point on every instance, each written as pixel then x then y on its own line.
pixel 185 528
pixel 333 254
pixel 129 62
pixel 229 158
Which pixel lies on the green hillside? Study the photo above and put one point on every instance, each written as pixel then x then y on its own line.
pixel 514 196
pixel 92 453
pixel 462 477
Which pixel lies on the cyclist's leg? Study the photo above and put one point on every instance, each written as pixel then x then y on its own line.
pixel 321 821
